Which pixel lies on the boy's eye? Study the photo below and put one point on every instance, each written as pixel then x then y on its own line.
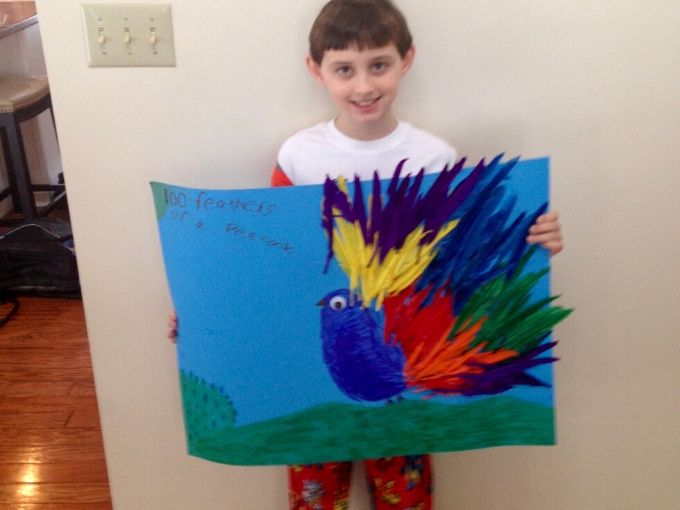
pixel 379 66
pixel 344 70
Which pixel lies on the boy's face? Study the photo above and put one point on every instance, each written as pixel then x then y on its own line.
pixel 363 84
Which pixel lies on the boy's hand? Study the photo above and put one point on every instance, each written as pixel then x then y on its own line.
pixel 547 232
pixel 172 327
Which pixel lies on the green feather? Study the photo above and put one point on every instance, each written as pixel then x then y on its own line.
pixel 512 320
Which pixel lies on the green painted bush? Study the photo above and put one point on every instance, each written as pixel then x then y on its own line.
pixel 206 407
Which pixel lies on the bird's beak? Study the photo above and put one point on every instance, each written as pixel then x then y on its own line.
pixel 322 302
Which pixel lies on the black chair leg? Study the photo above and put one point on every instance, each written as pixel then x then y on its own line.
pixel 11 190
pixel 19 168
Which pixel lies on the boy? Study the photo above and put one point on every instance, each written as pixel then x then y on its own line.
pixel 359 51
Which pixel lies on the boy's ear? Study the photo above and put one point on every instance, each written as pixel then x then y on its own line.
pixel 408 59
pixel 314 69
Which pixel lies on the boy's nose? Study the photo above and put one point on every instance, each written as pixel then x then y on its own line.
pixel 363 84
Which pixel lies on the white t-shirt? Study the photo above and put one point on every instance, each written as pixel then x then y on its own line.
pixel 310 155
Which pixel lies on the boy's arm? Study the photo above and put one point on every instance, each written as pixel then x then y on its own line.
pixel 547 232
pixel 279 178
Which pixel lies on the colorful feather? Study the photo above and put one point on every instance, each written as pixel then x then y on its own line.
pixel 439 299
pixel 386 250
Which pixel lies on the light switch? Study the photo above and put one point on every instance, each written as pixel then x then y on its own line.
pixel 129 35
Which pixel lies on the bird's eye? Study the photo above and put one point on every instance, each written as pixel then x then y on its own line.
pixel 338 303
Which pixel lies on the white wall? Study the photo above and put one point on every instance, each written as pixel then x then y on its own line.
pixel 596 85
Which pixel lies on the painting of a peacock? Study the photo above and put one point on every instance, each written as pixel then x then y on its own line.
pixel 439 301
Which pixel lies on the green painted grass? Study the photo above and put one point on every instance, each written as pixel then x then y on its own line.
pixel 340 432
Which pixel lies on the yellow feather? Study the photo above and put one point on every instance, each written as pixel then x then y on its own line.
pixel 368 277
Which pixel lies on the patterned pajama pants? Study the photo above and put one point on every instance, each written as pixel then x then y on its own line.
pixel 396 483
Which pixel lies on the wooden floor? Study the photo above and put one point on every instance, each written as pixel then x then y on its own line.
pixel 51 453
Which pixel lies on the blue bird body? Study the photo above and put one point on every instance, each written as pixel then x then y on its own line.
pixel 361 363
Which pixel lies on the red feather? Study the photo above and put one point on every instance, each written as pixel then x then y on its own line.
pixel 434 362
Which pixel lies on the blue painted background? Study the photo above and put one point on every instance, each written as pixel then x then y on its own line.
pixel 245 279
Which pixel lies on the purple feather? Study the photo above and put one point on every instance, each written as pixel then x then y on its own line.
pixel 407 207
pixel 329 191
pixel 499 378
pixel 376 207
pixel 395 177
pixel 360 208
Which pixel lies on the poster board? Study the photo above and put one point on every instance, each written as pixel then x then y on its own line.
pixel 252 271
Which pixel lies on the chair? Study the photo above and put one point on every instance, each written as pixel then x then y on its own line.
pixel 21 99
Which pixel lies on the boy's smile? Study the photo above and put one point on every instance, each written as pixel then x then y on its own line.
pixel 363 84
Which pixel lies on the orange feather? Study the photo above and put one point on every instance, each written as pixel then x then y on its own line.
pixel 435 362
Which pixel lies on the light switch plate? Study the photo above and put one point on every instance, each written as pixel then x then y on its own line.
pixel 129 35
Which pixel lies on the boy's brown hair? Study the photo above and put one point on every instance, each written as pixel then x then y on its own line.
pixel 366 23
